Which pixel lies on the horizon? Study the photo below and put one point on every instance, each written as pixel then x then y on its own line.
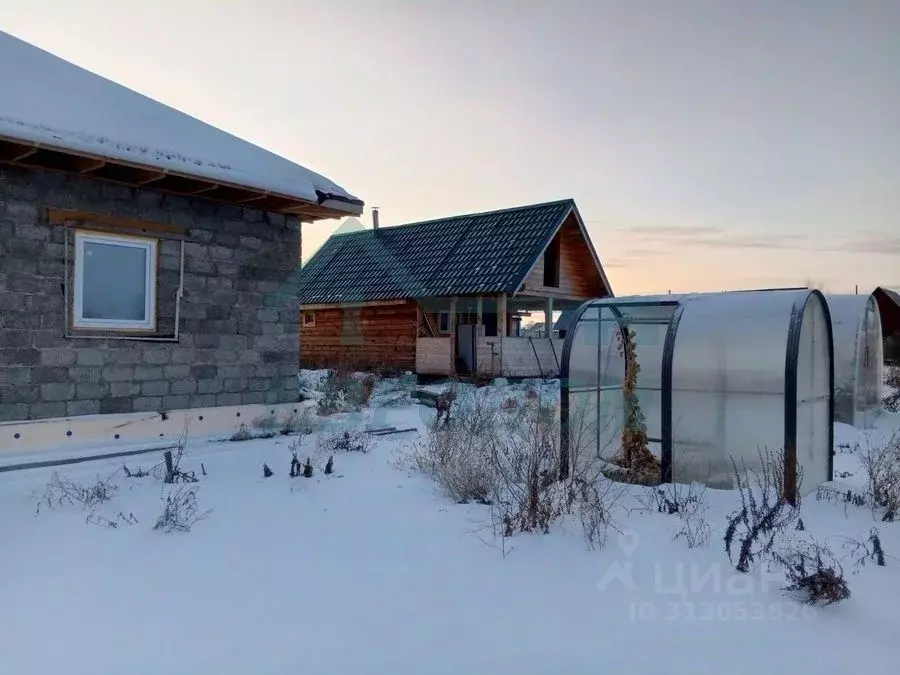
pixel 708 148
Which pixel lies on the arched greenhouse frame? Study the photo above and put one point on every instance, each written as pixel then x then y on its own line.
pixel 723 378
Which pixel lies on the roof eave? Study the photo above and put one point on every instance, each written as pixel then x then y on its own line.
pixel 37 155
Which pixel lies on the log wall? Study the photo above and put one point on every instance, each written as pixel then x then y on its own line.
pixel 363 338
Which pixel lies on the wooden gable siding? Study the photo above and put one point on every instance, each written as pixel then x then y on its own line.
pixel 578 275
pixel 360 337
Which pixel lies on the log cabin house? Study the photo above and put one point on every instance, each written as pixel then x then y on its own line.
pixel 446 297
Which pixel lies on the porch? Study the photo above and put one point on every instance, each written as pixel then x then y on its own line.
pixel 483 335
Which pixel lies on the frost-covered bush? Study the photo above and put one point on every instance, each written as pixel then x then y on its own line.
pixel 346 440
pixel 343 391
pixel 456 452
pixel 181 510
pixel 765 515
pixel 61 491
pixel 880 462
pixel 814 574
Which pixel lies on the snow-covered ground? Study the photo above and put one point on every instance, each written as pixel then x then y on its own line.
pixel 373 570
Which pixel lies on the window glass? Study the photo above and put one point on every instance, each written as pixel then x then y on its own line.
pixel 114 282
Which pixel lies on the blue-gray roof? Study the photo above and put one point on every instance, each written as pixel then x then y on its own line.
pixel 481 253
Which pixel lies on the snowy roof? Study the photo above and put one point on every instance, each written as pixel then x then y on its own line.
pixel 56 104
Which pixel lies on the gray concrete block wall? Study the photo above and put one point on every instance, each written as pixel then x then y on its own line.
pixel 239 333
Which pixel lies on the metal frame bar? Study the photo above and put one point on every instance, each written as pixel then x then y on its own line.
pixel 668 362
pixel 792 357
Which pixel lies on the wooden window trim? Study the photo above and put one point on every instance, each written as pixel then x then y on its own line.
pixel 309 319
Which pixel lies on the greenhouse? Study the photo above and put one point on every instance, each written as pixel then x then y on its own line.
pixel 708 382
pixel 858 358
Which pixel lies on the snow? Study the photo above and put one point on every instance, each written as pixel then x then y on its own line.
pixel 374 570
pixel 50 101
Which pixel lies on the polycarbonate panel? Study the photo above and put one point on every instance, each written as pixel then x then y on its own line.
pixel 583 352
pixel 871 370
pixel 610 401
pixel 728 383
pixel 813 397
pixel 858 358
pixel 583 433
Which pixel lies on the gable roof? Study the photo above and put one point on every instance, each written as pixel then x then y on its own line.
pixel 479 253
pixel 55 104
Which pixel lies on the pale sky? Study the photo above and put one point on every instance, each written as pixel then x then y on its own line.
pixel 709 144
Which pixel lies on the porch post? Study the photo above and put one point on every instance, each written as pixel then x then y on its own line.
pixel 452 336
pixel 480 306
pixel 548 318
pixel 502 318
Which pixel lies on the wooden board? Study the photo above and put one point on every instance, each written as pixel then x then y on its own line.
pixel 434 356
pixel 518 357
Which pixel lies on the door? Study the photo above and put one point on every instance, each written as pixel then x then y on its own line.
pixel 465 348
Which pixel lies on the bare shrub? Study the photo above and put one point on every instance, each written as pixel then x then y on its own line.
pixel 139 473
pixel 243 433
pixel 892 394
pixel 868 550
pixel 881 465
pixel 173 473
pixel 527 459
pixel 110 523
pixel 368 386
pixel 444 403
pixel 765 514
pixel 392 392
pixel 815 575
pixel 348 440
pixel 457 453
pixel 595 502
pixel 342 391
pixel 673 498
pixel 509 404
pixel 68 492
pixel 688 503
pixel 531 495
pixel 181 510
pixel 266 422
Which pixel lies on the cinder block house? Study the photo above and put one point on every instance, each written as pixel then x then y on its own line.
pixel 144 254
pixel 446 297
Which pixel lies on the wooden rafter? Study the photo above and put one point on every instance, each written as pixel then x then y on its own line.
pixel 37 156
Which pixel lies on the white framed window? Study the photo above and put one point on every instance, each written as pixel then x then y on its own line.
pixel 444 322
pixel 309 318
pixel 115 282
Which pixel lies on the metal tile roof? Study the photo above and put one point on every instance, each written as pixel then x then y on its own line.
pixel 478 253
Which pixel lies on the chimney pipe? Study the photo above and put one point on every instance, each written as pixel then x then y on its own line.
pixel 374 217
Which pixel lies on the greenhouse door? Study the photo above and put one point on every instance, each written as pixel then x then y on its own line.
pixel 813 400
